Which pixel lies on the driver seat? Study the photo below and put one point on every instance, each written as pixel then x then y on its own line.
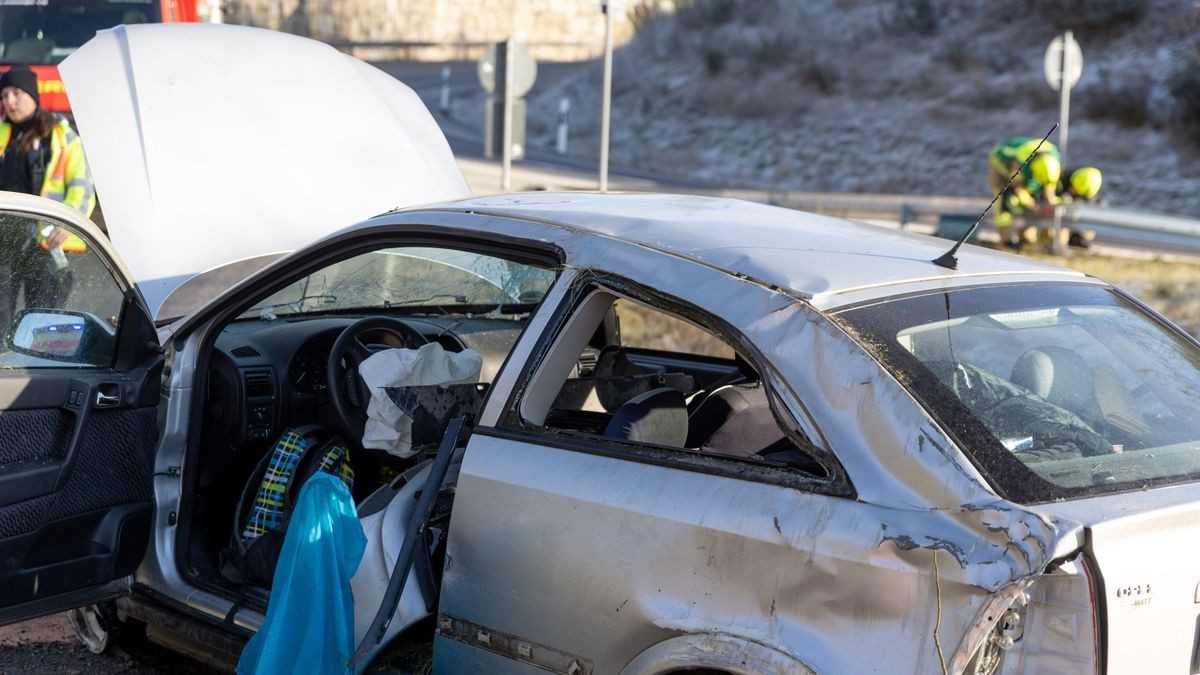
pixel 269 496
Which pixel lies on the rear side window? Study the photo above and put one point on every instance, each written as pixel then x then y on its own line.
pixel 651 378
pixel 646 329
pixel 1054 391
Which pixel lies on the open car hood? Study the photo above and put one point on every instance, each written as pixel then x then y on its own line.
pixel 212 144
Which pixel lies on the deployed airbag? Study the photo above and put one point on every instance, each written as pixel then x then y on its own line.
pixel 388 427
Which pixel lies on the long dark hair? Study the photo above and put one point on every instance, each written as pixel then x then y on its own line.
pixel 42 124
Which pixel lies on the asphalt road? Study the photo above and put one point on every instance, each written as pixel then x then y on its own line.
pixel 467 142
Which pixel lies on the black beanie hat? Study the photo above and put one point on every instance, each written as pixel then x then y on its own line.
pixel 24 79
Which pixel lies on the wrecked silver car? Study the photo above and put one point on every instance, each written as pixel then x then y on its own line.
pixel 667 433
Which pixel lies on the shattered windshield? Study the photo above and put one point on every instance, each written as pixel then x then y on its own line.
pixel 433 279
pixel 1055 391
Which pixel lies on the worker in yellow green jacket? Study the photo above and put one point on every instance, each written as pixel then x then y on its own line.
pixel 1081 185
pixel 40 154
pixel 1034 190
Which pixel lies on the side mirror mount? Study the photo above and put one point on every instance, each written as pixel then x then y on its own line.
pixel 63 336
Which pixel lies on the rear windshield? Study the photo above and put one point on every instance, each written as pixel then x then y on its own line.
pixel 47 31
pixel 1054 391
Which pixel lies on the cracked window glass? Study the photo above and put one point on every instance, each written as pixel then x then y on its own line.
pixel 59 303
pixel 438 280
pixel 1054 390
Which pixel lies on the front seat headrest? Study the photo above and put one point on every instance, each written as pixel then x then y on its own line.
pixel 1058 375
pixel 658 416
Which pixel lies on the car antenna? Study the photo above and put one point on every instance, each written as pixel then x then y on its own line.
pixel 948 259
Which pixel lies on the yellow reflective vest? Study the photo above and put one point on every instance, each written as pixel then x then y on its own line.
pixel 67 179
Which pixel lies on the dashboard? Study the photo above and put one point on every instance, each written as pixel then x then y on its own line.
pixel 267 376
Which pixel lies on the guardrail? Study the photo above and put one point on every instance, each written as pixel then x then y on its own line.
pixel 1118 227
pixel 905 209
pixel 1157 231
pixel 465 50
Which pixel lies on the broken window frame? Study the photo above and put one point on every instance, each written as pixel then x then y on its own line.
pixel 513 426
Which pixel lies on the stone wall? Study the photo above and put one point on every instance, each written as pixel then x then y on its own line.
pixel 553 29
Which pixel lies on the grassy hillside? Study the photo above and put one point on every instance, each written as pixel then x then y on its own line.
pixel 903 96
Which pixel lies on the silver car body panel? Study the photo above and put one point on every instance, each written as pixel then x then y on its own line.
pixel 1142 542
pixel 806 254
pixel 808 576
pixel 830 302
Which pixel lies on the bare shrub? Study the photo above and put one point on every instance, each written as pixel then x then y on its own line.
pixel 770 50
pixel 1123 102
pixel 755 98
pixel 987 98
pixel 914 16
pixel 1090 17
pixel 643 13
pixel 956 51
pixel 714 58
pixel 702 14
pixel 1185 88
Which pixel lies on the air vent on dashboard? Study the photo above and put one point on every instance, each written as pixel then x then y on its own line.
pixel 259 383
pixel 245 352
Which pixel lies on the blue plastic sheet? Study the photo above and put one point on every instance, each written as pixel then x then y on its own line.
pixel 309 625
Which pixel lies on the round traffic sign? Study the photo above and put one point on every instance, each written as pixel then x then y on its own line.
pixel 524 69
pixel 1060 46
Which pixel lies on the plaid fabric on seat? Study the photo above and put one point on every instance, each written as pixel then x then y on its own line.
pixel 269 507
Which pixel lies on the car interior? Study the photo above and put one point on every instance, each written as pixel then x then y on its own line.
pixel 284 366
pixel 1047 385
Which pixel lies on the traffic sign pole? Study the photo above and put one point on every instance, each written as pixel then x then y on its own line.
pixel 1063 66
pixel 1064 116
pixel 606 104
pixel 507 70
pixel 1064 99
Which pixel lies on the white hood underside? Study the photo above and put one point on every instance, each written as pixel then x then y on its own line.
pixel 211 144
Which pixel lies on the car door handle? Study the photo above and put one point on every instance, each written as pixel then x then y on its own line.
pixel 104 400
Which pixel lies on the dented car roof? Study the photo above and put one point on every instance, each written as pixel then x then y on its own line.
pixel 818 257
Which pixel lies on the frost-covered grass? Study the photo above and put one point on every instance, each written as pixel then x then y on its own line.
pixel 898 96
pixel 1171 287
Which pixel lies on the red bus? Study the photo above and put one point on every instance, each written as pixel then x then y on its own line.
pixel 41 33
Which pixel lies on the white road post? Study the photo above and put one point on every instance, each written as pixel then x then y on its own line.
pixel 506 155
pixel 445 98
pixel 564 114
pixel 606 6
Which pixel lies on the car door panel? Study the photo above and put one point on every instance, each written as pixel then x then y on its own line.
pixel 601 558
pixel 77 439
pixel 32 453
pixel 75 486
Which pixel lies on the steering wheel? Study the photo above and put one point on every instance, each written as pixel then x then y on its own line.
pixel 349 393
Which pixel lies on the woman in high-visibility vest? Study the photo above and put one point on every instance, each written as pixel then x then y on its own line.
pixel 39 154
